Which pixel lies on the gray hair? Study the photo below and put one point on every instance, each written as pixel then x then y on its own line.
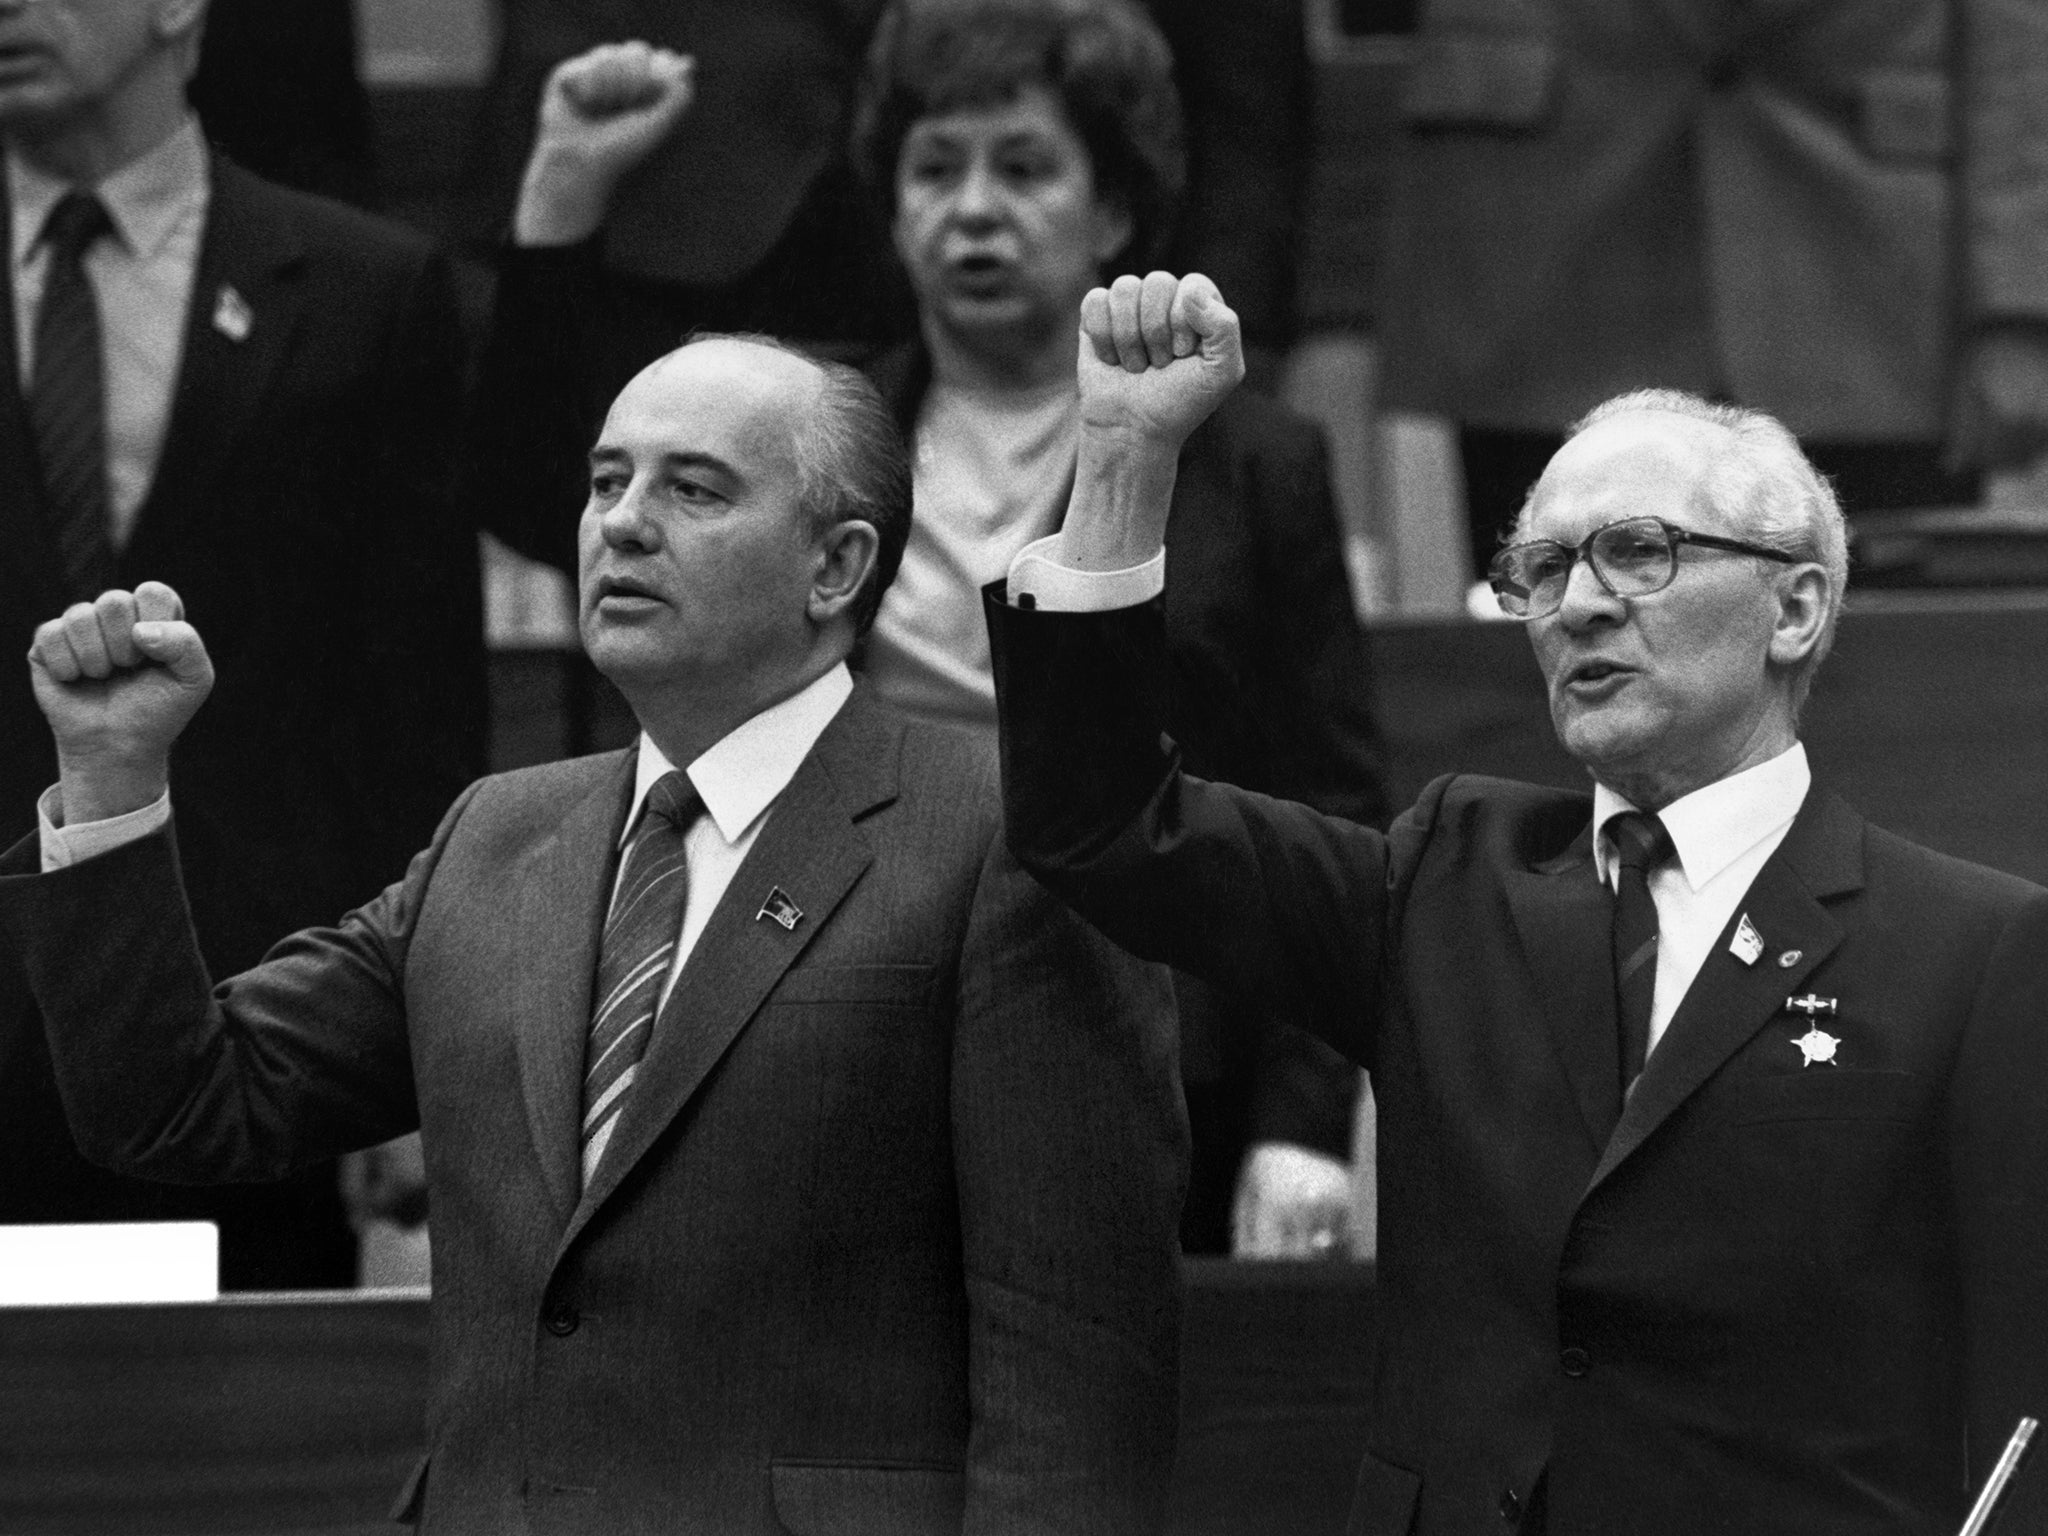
pixel 1764 487
pixel 852 464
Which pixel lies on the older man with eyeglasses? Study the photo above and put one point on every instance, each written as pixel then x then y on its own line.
pixel 1713 1172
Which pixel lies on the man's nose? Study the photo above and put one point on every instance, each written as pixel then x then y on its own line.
pixel 1586 598
pixel 625 523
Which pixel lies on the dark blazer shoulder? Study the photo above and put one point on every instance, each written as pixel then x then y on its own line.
pixel 246 206
pixel 1504 822
pixel 879 754
pixel 525 802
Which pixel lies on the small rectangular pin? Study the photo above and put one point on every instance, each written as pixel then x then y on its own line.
pixel 1747 945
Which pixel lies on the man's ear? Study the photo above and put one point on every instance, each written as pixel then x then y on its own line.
pixel 846 556
pixel 1806 600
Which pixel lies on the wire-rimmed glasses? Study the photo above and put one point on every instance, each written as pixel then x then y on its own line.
pixel 1632 557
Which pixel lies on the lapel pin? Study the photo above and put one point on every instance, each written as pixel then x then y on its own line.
pixel 1790 958
pixel 1747 945
pixel 1816 1045
pixel 232 316
pixel 778 908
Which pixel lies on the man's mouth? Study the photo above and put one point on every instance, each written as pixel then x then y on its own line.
pixel 1590 674
pixel 624 591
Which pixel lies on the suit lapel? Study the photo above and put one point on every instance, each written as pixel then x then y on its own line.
pixel 1563 915
pixel 245 306
pixel 563 887
pixel 1728 1002
pixel 812 851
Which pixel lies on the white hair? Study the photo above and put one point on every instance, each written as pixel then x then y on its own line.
pixel 1764 489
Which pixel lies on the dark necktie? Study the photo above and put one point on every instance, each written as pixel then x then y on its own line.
pixel 1640 845
pixel 67 397
pixel 639 944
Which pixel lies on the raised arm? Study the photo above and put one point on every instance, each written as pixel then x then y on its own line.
pixel 300 1059
pixel 542 383
pixel 1267 898
pixel 1157 355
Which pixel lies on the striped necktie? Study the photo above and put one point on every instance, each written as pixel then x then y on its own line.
pixel 1640 844
pixel 633 964
pixel 67 397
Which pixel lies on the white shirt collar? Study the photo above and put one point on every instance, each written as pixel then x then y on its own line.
pixel 146 199
pixel 742 774
pixel 1717 824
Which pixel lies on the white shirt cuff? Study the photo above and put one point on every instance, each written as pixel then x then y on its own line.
pixel 65 846
pixel 1037 575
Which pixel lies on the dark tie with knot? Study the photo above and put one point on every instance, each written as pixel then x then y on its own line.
pixel 639 945
pixel 1640 845
pixel 67 397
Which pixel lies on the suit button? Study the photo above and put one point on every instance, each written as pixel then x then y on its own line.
pixel 1576 1361
pixel 563 1319
pixel 1511 1507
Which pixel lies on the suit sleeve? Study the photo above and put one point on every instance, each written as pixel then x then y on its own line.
pixel 1999 1176
pixel 164 1075
pixel 421 627
pixel 1070 1143
pixel 1263 897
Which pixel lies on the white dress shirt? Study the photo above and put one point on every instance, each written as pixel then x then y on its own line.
pixel 739 780
pixel 142 274
pixel 1724 834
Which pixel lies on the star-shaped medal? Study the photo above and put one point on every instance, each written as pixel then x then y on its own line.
pixel 1817 1045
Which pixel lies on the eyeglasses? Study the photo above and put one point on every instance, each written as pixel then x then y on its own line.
pixel 1630 558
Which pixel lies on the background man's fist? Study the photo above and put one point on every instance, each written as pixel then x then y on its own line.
pixel 601 114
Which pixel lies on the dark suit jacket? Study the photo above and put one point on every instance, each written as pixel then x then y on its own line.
pixel 1270 679
pixel 1805 208
pixel 1774 1297
pixel 303 509
pixel 886 1232
pixel 1269 689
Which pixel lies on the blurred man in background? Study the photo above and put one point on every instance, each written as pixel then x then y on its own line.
pixel 253 394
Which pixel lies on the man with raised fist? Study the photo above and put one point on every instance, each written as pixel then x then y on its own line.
pixel 1713 1177
pixel 797 1162
pixel 252 394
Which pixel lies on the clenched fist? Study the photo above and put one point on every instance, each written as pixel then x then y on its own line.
pixel 118 678
pixel 601 114
pixel 1158 354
